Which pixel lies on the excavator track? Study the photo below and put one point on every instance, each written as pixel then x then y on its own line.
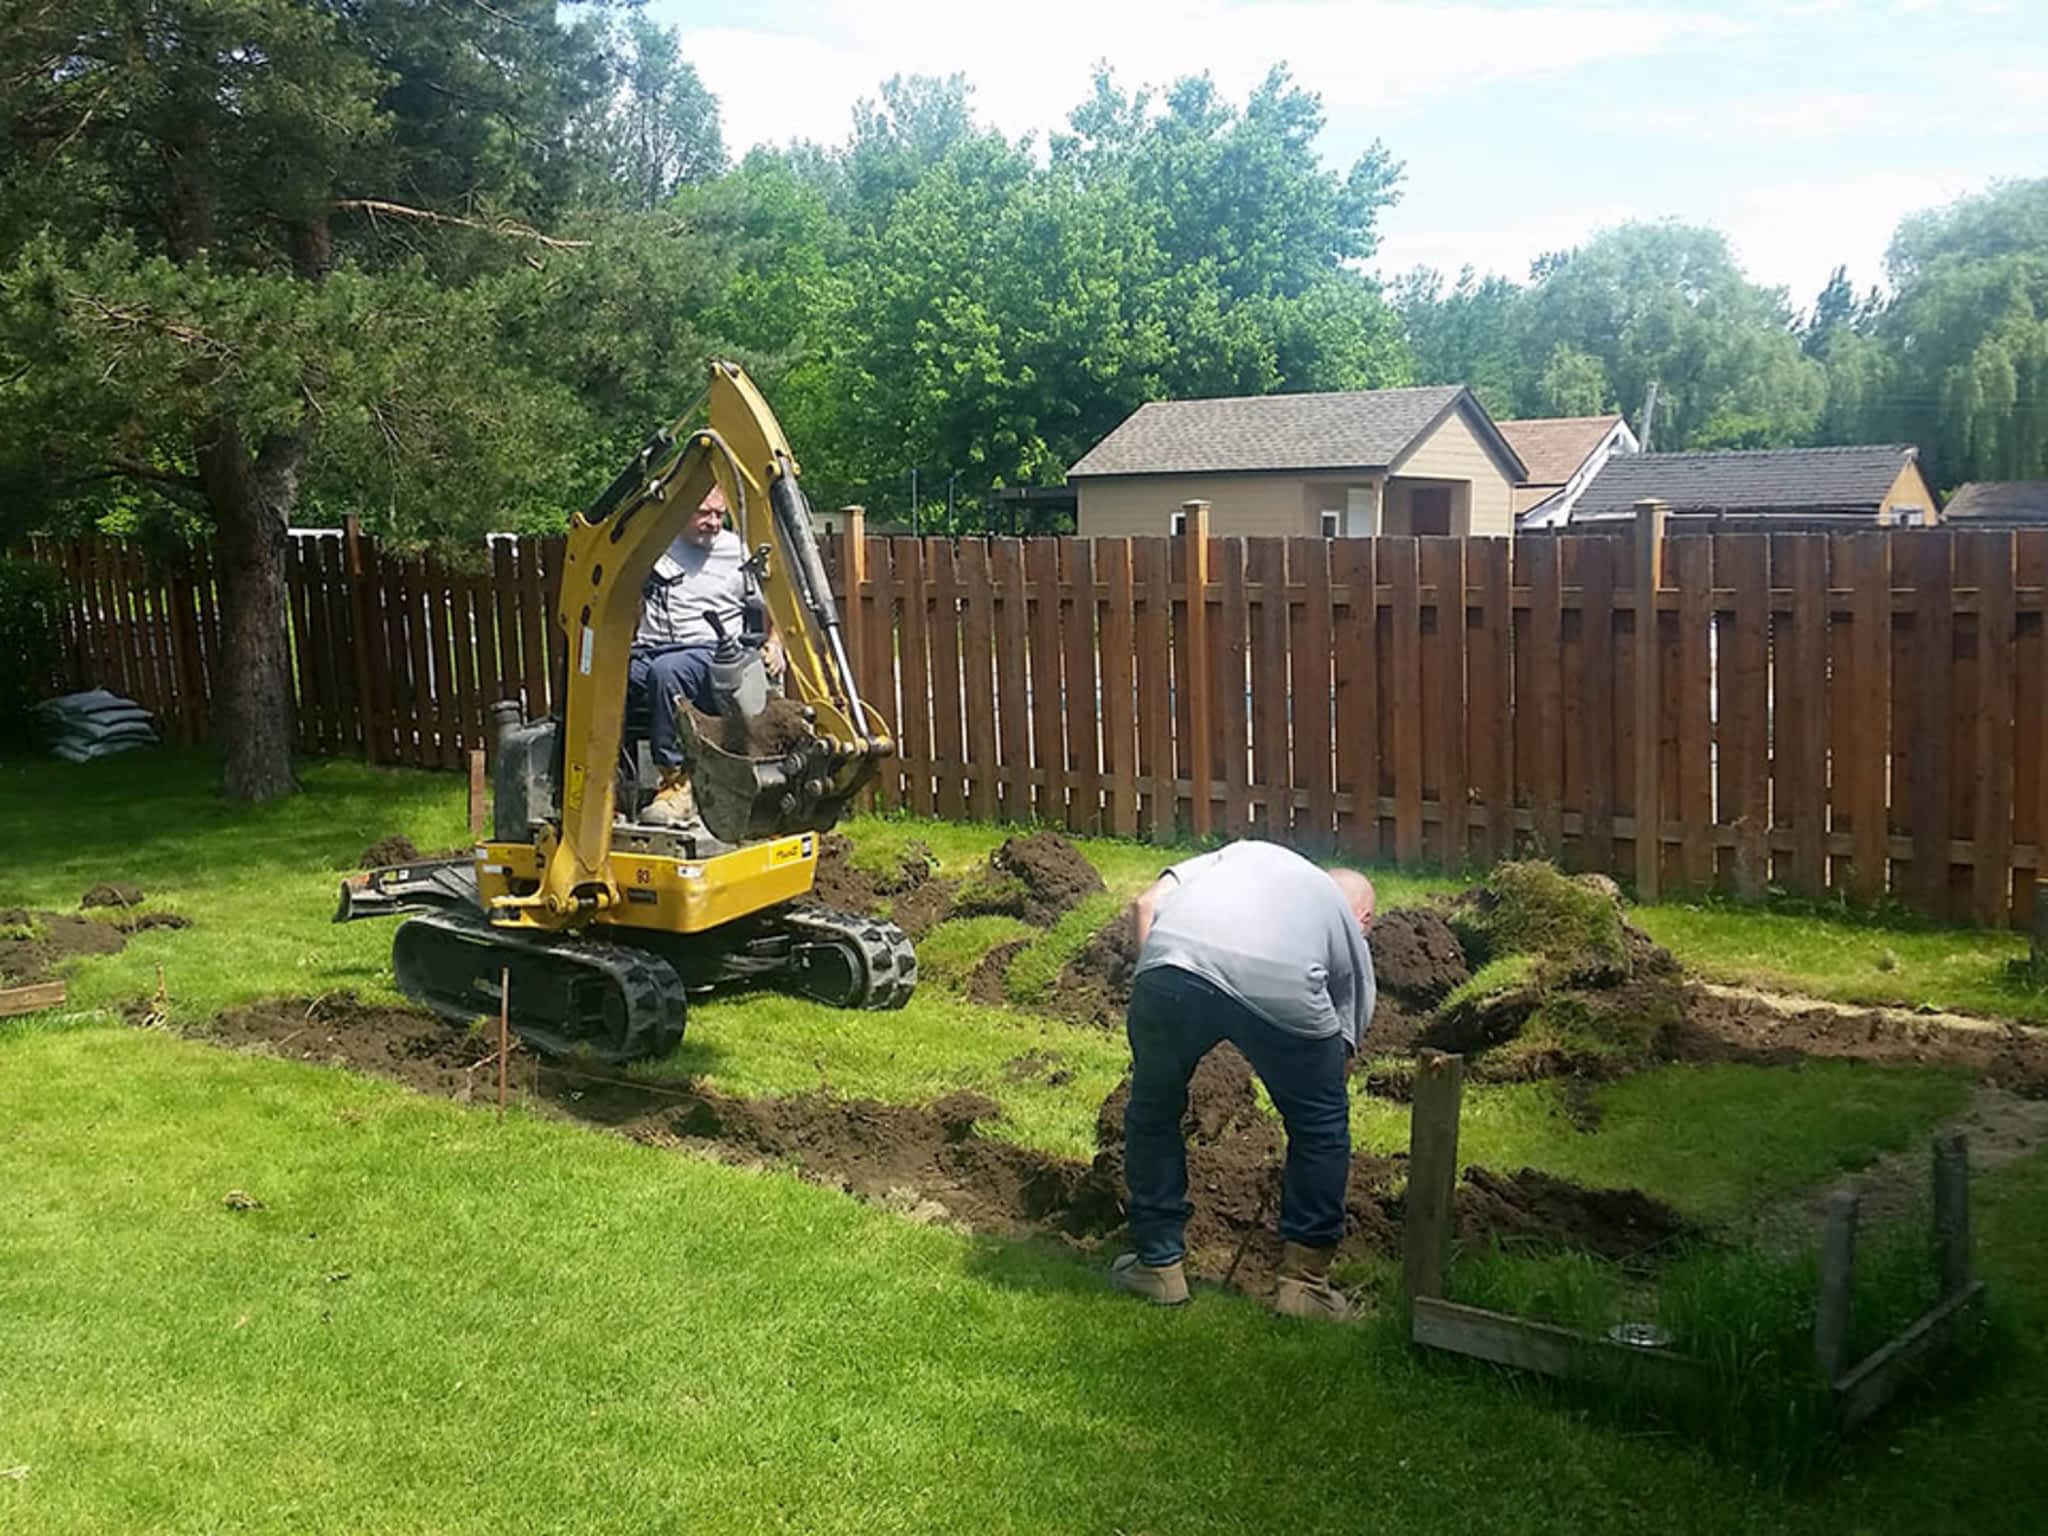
pixel 566 994
pixel 849 961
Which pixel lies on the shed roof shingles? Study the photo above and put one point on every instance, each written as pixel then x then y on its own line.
pixel 2000 501
pixel 1357 429
pixel 1847 479
pixel 1553 447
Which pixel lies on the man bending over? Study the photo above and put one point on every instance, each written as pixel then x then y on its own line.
pixel 1255 945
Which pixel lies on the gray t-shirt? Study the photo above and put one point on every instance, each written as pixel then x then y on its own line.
pixel 690 582
pixel 1271 929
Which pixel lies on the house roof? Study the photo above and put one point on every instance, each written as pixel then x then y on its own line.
pixel 1354 429
pixel 1999 501
pixel 1785 480
pixel 1553 447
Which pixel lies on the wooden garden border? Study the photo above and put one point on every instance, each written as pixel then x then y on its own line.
pixel 1500 1338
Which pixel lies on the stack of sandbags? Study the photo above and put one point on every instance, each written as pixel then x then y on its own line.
pixel 96 723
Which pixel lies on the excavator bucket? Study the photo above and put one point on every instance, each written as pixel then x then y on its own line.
pixel 805 787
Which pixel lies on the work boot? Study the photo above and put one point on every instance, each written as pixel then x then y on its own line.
pixel 1303 1288
pixel 674 803
pixel 1164 1285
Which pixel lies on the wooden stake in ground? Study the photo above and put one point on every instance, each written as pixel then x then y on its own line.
pixel 504 1031
pixel 1432 1174
pixel 477 796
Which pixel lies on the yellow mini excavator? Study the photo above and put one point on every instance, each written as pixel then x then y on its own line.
pixel 603 925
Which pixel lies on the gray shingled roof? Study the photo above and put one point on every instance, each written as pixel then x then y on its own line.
pixel 1785 480
pixel 1999 501
pixel 1358 429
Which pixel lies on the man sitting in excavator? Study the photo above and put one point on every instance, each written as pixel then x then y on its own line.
pixel 702 591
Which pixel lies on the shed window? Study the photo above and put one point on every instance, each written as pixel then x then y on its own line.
pixel 1176 522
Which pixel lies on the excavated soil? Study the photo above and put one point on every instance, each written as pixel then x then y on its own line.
pixel 1035 878
pixel 1531 1208
pixel 1416 957
pixel 935 1162
pixel 112 894
pixel 395 849
pixel 1095 986
pixel 33 944
pixel 1725 1024
pixel 988 982
pixel 915 898
pixel 782 725
pixel 399 849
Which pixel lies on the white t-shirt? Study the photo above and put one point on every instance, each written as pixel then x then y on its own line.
pixel 1272 930
pixel 691 582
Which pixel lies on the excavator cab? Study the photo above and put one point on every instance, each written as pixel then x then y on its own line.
pixel 596 928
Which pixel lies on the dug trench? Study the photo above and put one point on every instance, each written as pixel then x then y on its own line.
pixel 34 945
pixel 936 1161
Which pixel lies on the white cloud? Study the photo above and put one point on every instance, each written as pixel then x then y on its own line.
pixel 1804 115
pixel 800 79
pixel 1502 247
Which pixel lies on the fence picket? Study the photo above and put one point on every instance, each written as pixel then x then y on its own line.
pixel 1310 647
pixel 1119 712
pixel 977 662
pixel 942 634
pixel 1007 558
pixel 1152 569
pixel 1079 645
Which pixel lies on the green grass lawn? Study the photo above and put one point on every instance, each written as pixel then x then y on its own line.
pixel 438 1323
pixel 544 1328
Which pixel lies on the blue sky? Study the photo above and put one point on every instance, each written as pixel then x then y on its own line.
pixel 1802 129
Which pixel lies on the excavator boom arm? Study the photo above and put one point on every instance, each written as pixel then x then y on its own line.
pixel 611 551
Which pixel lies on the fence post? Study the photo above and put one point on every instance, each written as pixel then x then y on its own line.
pixel 1837 1282
pixel 1195 535
pixel 1432 1175
pixel 853 573
pixel 1952 1211
pixel 1649 695
pixel 361 635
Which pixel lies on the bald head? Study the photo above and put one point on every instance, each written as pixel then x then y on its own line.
pixel 1357 892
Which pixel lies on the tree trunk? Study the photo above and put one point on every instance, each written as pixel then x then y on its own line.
pixel 252 501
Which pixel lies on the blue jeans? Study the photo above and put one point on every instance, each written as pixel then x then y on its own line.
pixel 1175 1018
pixel 656 683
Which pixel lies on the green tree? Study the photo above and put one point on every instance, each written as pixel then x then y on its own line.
pixel 660 131
pixel 1466 334
pixel 1574 383
pixel 254 250
pixel 1967 333
pixel 999 315
pixel 1667 302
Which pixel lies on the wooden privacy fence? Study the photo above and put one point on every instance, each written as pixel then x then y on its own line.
pixel 1819 713
pixel 395 658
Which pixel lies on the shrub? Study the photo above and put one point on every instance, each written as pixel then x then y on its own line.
pixel 31 601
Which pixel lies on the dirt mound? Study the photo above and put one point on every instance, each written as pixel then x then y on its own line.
pixel 1095 987
pixel 112 894
pixel 1036 1066
pixel 395 849
pixel 783 724
pixel 1727 1024
pixel 988 982
pixel 142 922
pixel 1415 956
pixel 1035 878
pixel 1537 1209
pixel 911 895
pixel 1573 925
pixel 33 944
